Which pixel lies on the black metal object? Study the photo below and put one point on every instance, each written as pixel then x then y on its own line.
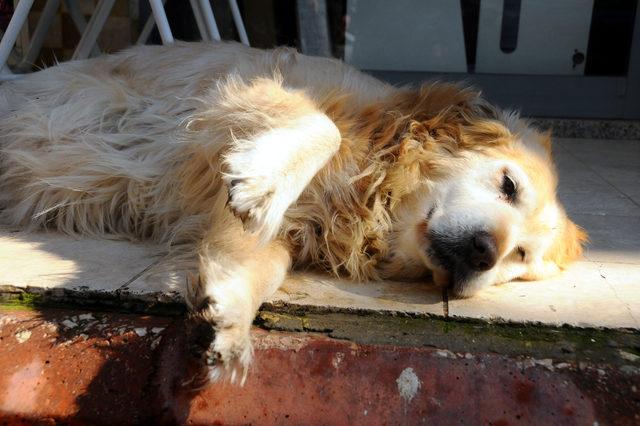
pixel 510 25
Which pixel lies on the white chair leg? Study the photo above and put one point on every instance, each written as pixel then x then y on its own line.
pixel 209 19
pixel 18 19
pixel 39 34
pixel 161 21
pixel 95 25
pixel 13 56
pixel 147 28
pixel 237 18
pixel 202 27
pixel 6 74
pixel 78 20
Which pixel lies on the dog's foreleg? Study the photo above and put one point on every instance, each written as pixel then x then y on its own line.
pixel 268 171
pixel 236 275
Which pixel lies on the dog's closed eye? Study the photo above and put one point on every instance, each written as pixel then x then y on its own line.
pixel 509 188
pixel 522 253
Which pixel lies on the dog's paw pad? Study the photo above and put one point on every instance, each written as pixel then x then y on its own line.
pixel 218 336
pixel 229 356
pixel 259 202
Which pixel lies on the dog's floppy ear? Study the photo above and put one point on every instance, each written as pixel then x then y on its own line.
pixel 544 140
pixel 534 140
pixel 567 246
pixel 538 142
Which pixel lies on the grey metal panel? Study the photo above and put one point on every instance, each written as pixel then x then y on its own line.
pixel 539 95
pixel 313 27
pixel 632 107
pixel 548 35
pixel 405 35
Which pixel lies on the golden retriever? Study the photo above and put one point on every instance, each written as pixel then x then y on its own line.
pixel 258 160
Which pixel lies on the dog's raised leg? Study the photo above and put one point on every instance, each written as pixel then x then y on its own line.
pixel 266 171
pixel 237 274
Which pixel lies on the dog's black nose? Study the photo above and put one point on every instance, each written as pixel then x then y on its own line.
pixel 484 252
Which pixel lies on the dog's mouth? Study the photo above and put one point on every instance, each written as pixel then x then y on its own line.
pixel 447 276
pixel 442 269
pixel 446 254
pixel 455 282
pixel 448 261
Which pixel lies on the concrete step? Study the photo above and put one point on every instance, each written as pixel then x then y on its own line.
pixel 79 367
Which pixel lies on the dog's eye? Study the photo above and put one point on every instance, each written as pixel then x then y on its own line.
pixel 509 188
pixel 521 253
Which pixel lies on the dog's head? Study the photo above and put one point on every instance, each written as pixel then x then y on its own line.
pixel 488 212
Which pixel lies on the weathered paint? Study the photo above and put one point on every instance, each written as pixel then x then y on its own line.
pixel 102 371
pixel 408 384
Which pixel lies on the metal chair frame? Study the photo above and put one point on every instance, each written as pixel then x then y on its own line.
pixel 90 31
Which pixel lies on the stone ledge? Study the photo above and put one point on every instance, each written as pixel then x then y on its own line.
pixel 71 366
pixel 589 128
pixel 49 267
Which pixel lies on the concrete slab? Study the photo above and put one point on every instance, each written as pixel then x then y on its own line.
pixel 603 152
pixel 624 178
pixel 608 243
pixel 586 189
pixel 589 294
pixel 603 201
pixel 157 284
pixel 587 166
pixel 321 291
pixel 51 260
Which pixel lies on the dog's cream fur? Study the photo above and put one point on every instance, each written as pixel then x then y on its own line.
pixel 255 160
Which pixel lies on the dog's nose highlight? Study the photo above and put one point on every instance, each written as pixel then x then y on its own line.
pixel 484 252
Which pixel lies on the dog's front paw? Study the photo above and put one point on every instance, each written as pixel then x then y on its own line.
pixel 260 202
pixel 222 354
pixel 229 355
pixel 265 175
pixel 226 350
pixel 222 338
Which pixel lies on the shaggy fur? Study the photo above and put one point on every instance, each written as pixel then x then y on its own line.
pixel 251 161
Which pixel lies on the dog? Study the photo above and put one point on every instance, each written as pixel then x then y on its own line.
pixel 254 161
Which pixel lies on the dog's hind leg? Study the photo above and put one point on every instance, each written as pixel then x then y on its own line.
pixel 236 275
pixel 279 141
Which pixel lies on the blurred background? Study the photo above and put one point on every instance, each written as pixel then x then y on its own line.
pixel 549 58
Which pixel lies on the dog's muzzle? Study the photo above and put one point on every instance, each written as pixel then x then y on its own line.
pixel 464 255
pixel 483 251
